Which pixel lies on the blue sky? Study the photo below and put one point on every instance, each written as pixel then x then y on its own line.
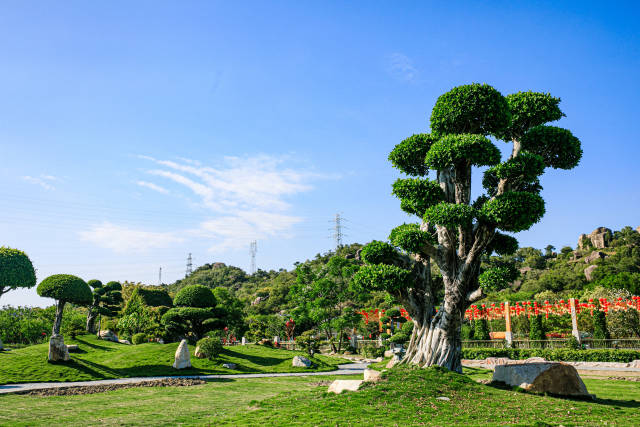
pixel 133 133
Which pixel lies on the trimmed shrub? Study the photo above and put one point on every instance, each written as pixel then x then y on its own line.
pixel 371 351
pixel 561 354
pixel 210 347
pixel 308 342
pixel 195 296
pixel 600 331
pixel 399 338
pixel 407 328
pixel 481 330
pixel 536 329
pixel 139 338
pixel 573 344
pixel 155 297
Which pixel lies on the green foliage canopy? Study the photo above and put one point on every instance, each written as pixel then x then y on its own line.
pixel 195 296
pixel 65 288
pixel 16 270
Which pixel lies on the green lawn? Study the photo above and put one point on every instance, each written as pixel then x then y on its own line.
pixel 405 397
pixel 99 359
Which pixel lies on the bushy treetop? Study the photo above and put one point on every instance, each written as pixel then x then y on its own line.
pixel 409 155
pixel 16 269
pixel 475 108
pixel 195 296
pixel 94 283
pixel 558 147
pixel 462 149
pixel 529 109
pixel 66 288
pixel 155 297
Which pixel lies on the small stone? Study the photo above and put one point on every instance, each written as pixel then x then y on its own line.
pixel 72 348
pixel 182 357
pixel 634 364
pixel 57 349
pixel 371 375
pixel 108 335
pixel 300 362
pixel 338 386
pixel 229 365
pixel 445 398
pixel 126 342
pixel 378 359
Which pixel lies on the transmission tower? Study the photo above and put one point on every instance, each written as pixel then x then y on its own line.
pixel 160 276
pixel 189 266
pixel 253 250
pixel 337 228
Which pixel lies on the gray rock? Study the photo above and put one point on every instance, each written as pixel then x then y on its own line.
pixel 548 377
pixel 497 360
pixel 588 272
pixel 598 238
pixel 182 357
pixel 338 386
pixel 634 364
pixel 594 256
pixel 72 348
pixel 300 362
pixel 445 398
pixel 57 349
pixel 127 342
pixel 108 335
pixel 229 365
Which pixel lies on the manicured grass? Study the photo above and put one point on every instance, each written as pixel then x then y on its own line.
pixel 195 405
pixel 99 359
pixel 408 397
pixel 405 397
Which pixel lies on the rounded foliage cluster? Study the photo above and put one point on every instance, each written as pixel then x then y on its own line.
pixel 94 283
pixel 514 210
pixel 450 215
pixel 195 296
pixel 416 194
pixel 529 109
pixel 408 156
pixel 410 238
pixel 481 330
pixel 496 279
pixel 526 166
pixel 503 244
pixel 139 338
pixel 16 269
pixel 475 108
pixel 382 277
pixel 558 147
pixel 65 287
pixel 210 347
pixel 155 297
pixel 407 328
pixel 378 252
pixel 462 149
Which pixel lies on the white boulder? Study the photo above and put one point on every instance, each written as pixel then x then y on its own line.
pixel 182 358
pixel 371 375
pixel 108 335
pixel 300 362
pixel 338 386
pixel 58 351
pixel 542 377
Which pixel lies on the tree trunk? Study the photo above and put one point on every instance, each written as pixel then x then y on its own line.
pixel 91 320
pixel 58 320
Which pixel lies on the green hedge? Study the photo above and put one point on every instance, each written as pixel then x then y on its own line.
pixel 568 355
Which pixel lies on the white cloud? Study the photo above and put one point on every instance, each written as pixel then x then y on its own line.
pixel 124 240
pixel 43 181
pixel 152 186
pixel 402 68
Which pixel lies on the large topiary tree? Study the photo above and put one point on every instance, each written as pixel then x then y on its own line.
pixel 16 270
pixel 64 288
pixel 455 232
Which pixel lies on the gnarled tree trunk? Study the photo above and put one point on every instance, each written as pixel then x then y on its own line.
pixel 58 320
pixel 91 320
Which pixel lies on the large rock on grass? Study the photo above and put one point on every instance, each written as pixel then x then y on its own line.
pixel 300 362
pixel 542 377
pixel 108 335
pixel 372 375
pixel 58 351
pixel 182 358
pixel 338 386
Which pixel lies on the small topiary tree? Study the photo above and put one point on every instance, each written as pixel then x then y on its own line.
pixel 454 231
pixel 16 270
pixel 210 347
pixel 309 342
pixel 195 312
pixel 600 330
pixel 536 329
pixel 139 338
pixel 64 288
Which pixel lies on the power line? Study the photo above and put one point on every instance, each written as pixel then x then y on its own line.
pixel 253 249
pixel 189 266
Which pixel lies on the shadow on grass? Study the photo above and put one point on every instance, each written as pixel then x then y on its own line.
pixel 92 345
pixel 253 358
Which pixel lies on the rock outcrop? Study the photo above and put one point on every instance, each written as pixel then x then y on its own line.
pixel 300 362
pixel 542 377
pixel 338 386
pixel 598 238
pixel 594 256
pixel 588 272
pixel 58 351
pixel 182 357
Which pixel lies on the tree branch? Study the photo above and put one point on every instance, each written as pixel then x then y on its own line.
pixel 474 296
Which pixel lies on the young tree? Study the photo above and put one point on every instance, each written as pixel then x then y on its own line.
pixel 456 232
pixel 106 301
pixel 64 288
pixel 16 270
pixel 194 313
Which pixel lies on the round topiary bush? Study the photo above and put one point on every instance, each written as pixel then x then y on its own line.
pixel 210 347
pixel 195 296
pixel 16 270
pixel 64 288
pixel 139 338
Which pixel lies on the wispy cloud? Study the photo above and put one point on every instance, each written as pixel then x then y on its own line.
pixel 44 181
pixel 152 186
pixel 247 198
pixel 126 240
pixel 401 67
